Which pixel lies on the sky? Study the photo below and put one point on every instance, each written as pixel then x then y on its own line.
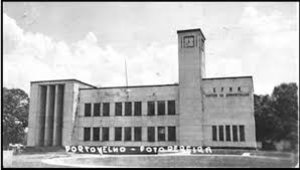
pixel 90 41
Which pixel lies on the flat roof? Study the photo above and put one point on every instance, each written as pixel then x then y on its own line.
pixel 58 80
pixel 192 30
pixel 135 86
pixel 234 77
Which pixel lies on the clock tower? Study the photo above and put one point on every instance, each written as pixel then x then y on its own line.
pixel 191 70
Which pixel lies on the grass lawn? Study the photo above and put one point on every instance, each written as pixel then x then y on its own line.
pixel 264 159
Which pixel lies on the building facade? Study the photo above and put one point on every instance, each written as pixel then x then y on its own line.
pixel 198 111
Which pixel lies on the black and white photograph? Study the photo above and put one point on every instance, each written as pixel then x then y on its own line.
pixel 150 84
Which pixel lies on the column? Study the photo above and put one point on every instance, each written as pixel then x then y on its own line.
pixel 49 116
pixel 58 106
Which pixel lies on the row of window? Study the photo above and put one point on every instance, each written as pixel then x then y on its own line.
pixel 230 89
pixel 128 136
pixel 231 133
pixel 227 95
pixel 137 110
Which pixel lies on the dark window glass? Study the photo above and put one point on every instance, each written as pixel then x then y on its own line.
pixel 172 133
pixel 118 109
pixel 127 133
pixel 87 134
pixel 118 133
pixel 105 134
pixel 234 132
pixel 239 88
pixel 221 133
pixel 137 108
pixel 171 107
pixel 138 134
pixel 161 108
pixel 222 89
pixel 105 109
pixel 97 109
pixel 128 109
pixel 214 133
pixel 151 108
pixel 87 109
pixel 230 89
pixel 151 134
pixel 228 137
pixel 96 134
pixel 161 134
pixel 242 133
pixel 214 90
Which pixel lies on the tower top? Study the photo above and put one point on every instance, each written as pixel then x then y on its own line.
pixel 192 30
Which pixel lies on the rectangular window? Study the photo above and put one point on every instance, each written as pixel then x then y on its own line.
pixel 137 108
pixel 214 90
pixel 161 133
pixel 87 109
pixel 239 89
pixel 118 109
pixel 118 133
pixel 234 132
pixel 172 133
pixel 151 134
pixel 138 134
pixel 221 133
pixel 161 108
pixel 222 89
pixel 151 108
pixel 96 134
pixel 97 109
pixel 105 109
pixel 242 133
pixel 128 109
pixel 87 134
pixel 171 107
pixel 127 133
pixel 214 133
pixel 230 89
pixel 228 137
pixel 105 134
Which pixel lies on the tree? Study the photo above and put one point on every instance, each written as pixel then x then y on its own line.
pixel 15 115
pixel 276 116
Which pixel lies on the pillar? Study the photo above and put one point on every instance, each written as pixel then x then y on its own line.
pixel 49 115
pixel 58 111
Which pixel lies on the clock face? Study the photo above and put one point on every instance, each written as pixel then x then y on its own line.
pixel 189 41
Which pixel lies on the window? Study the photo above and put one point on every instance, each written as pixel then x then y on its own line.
pixel 151 108
pixel 161 133
pixel 127 133
pixel 221 133
pixel 214 90
pixel 87 109
pixel 234 132
pixel 97 109
pixel 242 133
pixel 118 133
pixel 214 133
pixel 230 89
pixel 172 133
pixel 128 109
pixel 239 89
pixel 96 133
pixel 105 134
pixel 171 107
pixel 105 109
pixel 137 108
pixel 222 89
pixel 86 134
pixel 151 134
pixel 161 107
pixel 118 109
pixel 138 134
pixel 228 137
